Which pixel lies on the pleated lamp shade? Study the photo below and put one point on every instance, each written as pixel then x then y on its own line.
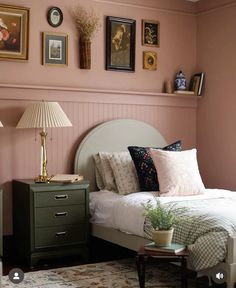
pixel 43 115
pixel 1 124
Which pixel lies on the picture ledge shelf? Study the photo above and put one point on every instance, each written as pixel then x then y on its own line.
pixel 94 90
pixel 16 92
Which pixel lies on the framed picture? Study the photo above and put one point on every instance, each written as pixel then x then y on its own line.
pixel 120 44
pixel 151 33
pixel 55 16
pixel 14 32
pixel 149 60
pixel 55 49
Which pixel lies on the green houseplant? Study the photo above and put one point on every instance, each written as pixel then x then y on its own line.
pixel 163 219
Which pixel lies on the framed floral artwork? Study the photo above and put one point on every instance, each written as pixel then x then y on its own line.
pixel 14 32
pixel 151 33
pixel 55 49
pixel 150 60
pixel 120 44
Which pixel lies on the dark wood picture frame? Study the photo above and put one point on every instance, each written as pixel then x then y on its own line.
pixel 14 24
pixel 120 44
pixel 55 49
pixel 55 16
pixel 151 33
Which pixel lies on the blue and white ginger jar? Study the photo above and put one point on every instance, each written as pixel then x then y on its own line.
pixel 180 81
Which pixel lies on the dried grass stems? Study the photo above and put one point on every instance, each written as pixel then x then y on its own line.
pixel 86 22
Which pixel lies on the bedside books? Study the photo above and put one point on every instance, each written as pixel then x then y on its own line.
pixel 66 178
pixel 173 248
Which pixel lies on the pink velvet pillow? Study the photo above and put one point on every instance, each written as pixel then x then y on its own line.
pixel 178 172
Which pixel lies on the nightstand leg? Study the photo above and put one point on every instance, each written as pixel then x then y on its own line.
pixel 184 275
pixel 141 267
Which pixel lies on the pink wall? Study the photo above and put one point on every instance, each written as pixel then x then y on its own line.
pixel 216 137
pixel 94 96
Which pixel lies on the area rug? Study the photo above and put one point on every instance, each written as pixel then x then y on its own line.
pixel 114 274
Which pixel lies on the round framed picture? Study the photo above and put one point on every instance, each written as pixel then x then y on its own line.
pixel 149 60
pixel 55 16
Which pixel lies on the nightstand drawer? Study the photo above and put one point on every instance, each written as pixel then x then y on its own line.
pixel 61 235
pixel 59 198
pixel 59 215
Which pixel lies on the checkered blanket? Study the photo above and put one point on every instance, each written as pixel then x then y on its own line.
pixel 206 236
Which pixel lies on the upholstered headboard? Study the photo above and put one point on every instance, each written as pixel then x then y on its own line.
pixel 113 136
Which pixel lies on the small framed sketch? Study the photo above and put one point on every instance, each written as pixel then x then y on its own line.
pixel 151 33
pixel 120 44
pixel 149 60
pixel 14 32
pixel 55 49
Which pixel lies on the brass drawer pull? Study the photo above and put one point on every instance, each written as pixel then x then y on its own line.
pixel 63 233
pixel 58 214
pixel 61 197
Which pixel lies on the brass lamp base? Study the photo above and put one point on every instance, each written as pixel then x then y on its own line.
pixel 42 179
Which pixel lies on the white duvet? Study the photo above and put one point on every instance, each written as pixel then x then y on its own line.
pixel 126 212
pixel 206 237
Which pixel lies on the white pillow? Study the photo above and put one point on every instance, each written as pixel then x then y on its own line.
pixel 98 172
pixel 109 178
pixel 177 172
pixel 124 172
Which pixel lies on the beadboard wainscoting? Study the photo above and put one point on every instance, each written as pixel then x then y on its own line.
pixel 173 115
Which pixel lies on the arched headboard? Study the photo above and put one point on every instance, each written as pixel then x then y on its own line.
pixel 112 136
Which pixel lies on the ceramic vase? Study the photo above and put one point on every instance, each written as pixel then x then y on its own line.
pixel 180 81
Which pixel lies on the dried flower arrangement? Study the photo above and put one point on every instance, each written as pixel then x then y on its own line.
pixel 86 22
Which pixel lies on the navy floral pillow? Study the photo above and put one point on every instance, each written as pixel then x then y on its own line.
pixel 144 165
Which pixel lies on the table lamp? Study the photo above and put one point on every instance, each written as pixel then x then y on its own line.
pixel 43 115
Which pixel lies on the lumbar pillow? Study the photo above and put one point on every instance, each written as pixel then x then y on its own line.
pixel 178 172
pixel 144 165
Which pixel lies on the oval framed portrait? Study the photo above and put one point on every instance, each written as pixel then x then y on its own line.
pixel 149 60
pixel 55 16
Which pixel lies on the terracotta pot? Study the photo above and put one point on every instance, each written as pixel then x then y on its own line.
pixel 162 238
pixel 85 54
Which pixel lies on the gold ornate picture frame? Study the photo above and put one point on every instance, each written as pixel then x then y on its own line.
pixel 149 60
pixel 151 33
pixel 55 49
pixel 14 33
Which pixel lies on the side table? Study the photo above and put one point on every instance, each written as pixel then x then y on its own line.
pixel 143 256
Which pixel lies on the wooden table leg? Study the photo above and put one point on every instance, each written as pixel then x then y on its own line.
pixel 184 274
pixel 141 268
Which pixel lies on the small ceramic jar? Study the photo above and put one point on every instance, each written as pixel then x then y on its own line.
pixel 180 81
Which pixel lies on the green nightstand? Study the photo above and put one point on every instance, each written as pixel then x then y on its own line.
pixel 50 219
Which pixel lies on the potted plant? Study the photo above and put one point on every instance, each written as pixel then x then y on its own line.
pixel 87 23
pixel 163 218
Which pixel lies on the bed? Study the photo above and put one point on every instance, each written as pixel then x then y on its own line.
pixel 117 135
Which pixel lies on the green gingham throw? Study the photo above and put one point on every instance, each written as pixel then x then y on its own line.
pixel 206 236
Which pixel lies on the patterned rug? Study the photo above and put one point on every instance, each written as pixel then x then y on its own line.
pixel 114 274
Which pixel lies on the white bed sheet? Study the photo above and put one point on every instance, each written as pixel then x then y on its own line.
pixel 105 204
pixel 101 204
